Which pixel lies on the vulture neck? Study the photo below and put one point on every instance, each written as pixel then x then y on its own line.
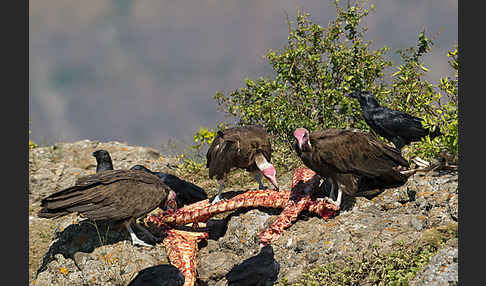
pixel 261 162
pixel 369 102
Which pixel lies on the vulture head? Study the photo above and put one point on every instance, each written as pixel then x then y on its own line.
pixel 302 137
pixel 269 173
pixel 267 169
pixel 171 201
pixel 101 155
pixel 364 98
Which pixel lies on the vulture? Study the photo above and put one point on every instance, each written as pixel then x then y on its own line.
pixel 261 269
pixel 103 160
pixel 160 275
pixel 394 125
pixel 352 158
pixel 119 196
pixel 186 192
pixel 246 148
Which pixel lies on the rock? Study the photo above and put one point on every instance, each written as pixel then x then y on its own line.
pixel 442 269
pixel 83 253
pixel 452 207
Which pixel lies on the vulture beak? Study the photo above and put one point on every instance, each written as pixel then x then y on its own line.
pixel 171 201
pixel 270 174
pixel 299 135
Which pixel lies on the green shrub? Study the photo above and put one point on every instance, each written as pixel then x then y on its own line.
pixel 318 66
pixel 372 267
pixel 313 72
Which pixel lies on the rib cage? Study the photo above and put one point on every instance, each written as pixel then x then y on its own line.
pixel 293 202
pixel 181 245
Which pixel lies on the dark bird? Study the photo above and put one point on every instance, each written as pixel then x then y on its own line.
pixel 160 275
pixel 394 125
pixel 247 148
pixel 259 270
pixel 119 196
pixel 186 192
pixel 103 160
pixel 352 158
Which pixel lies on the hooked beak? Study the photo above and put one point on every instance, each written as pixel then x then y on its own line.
pixel 171 201
pixel 273 180
pixel 270 174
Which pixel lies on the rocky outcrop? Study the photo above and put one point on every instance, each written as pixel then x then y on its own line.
pixel 84 253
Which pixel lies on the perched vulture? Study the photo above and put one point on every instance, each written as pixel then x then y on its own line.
pixel 103 160
pixel 352 158
pixel 186 192
pixel 261 269
pixel 120 196
pixel 241 147
pixel 397 126
pixel 160 275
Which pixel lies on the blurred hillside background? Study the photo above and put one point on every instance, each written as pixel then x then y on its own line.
pixel 145 72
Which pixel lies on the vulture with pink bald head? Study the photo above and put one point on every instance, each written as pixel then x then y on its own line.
pixel 246 148
pixel 356 160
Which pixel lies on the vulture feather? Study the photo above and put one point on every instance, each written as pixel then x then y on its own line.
pixel 186 192
pixel 114 195
pixel 246 148
pixel 355 159
pixel 103 160
pixel 394 125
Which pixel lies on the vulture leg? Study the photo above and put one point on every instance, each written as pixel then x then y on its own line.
pixel 218 196
pixel 258 177
pixel 334 186
pixel 133 236
pixel 147 233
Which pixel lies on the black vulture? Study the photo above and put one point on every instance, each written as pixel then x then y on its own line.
pixel 186 192
pixel 119 196
pixel 397 126
pixel 352 158
pixel 160 275
pixel 259 270
pixel 103 160
pixel 246 148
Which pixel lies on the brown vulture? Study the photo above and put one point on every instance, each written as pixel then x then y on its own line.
pixel 247 148
pixel 397 126
pixel 120 196
pixel 354 159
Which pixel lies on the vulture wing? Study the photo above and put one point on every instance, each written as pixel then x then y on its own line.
pixel 110 195
pixel 398 123
pixel 351 151
pixel 237 147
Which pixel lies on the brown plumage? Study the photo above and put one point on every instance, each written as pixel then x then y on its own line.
pixel 114 195
pixel 246 148
pixel 357 160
